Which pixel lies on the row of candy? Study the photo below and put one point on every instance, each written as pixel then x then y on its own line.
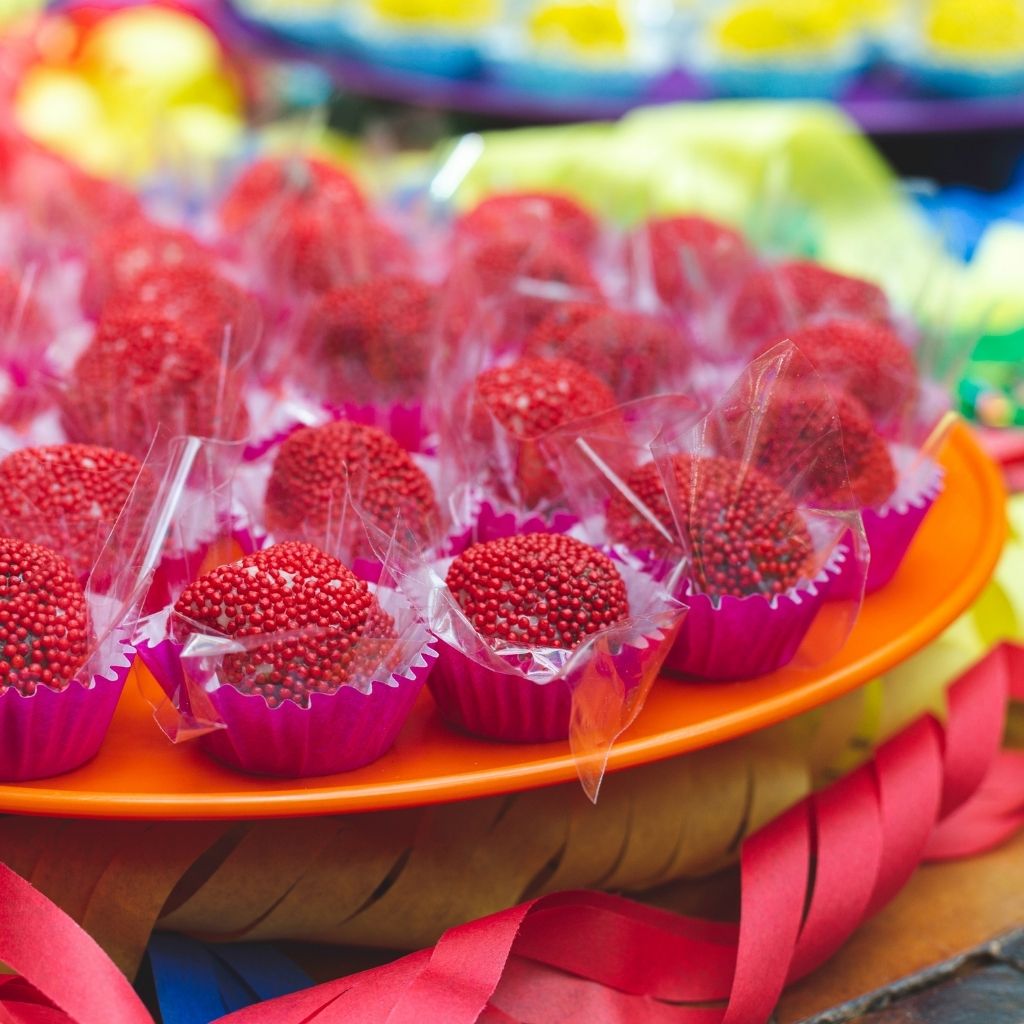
pixel 569 50
pixel 581 473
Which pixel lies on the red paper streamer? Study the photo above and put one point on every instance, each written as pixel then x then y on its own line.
pixel 583 957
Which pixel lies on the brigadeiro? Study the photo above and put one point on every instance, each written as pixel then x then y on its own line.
pixel 512 406
pixel 635 354
pixel 531 213
pixel 773 302
pixel 69 496
pixel 516 617
pixel 316 467
pixel 306 670
pixel 122 254
pixel 59 682
pixel 369 340
pixel 143 371
pixel 754 581
pixel 694 262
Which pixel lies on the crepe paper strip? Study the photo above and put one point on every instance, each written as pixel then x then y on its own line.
pixel 196 983
pixel 61 961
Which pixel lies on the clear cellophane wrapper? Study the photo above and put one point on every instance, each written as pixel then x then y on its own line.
pixel 524 693
pixel 677 489
pixel 55 730
pixel 328 732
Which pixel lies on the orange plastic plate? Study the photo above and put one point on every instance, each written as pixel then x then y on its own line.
pixel 139 774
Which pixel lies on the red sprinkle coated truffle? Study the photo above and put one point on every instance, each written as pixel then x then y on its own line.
pixel 316 465
pixel 338 631
pixel 520 278
pixel 867 360
pixel 531 213
pixel 545 589
pixel 197 296
pixel 44 621
pixel 527 399
pixel 375 333
pixel 743 530
pixel 141 372
pixel 69 496
pixel 775 301
pixel 279 187
pixel 122 254
pixel 635 354
pixel 696 261
pixel 858 472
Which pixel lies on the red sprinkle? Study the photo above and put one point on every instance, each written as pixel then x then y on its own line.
pixel 743 530
pixel 635 354
pixel 44 621
pixel 545 589
pixel 340 633
pixel 527 399
pixel 315 466
pixel 69 496
pixel 375 333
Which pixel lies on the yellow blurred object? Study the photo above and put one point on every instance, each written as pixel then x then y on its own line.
pixel 980 28
pixel 792 27
pixel 145 86
pixel 593 27
pixel 13 9
pixel 465 13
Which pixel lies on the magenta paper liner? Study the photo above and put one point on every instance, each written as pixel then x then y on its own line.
pixel 490 524
pixel 889 531
pixel 338 732
pixel 497 705
pixel 405 423
pixel 52 731
pixel 508 706
pixel 742 637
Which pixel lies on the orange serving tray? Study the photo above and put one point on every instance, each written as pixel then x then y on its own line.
pixel 139 774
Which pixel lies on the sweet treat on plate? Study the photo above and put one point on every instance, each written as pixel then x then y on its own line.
pixel 858 473
pixel 513 406
pixel 743 531
pixel 44 620
pixel 281 593
pixel 635 354
pixel 516 615
pixel 194 294
pixel 124 252
pixel 864 358
pixel 510 283
pixel 375 335
pixel 69 496
pixel 142 372
pixel 546 589
pixel 775 301
pixel 531 213
pixel 316 467
pixel 695 261
pixel 276 187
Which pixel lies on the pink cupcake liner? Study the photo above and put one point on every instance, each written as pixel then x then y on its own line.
pixel 406 423
pixel 490 524
pixel 891 529
pixel 53 732
pixel 338 732
pixel 744 637
pixel 513 708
